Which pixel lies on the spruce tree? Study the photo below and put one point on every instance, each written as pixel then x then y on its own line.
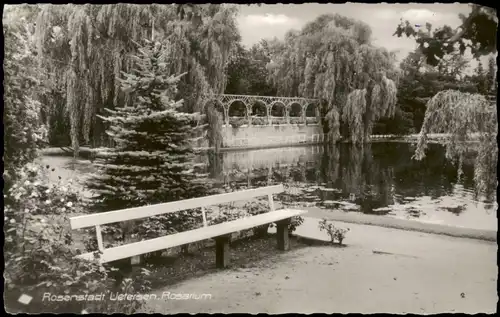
pixel 152 161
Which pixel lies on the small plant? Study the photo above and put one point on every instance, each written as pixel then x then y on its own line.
pixel 336 234
pixel 294 223
pixel 339 234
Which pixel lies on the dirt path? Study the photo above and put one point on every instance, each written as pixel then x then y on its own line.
pixel 409 272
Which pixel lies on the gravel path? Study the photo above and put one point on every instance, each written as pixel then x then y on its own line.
pixel 380 270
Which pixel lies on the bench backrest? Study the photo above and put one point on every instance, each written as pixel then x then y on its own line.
pixel 171 207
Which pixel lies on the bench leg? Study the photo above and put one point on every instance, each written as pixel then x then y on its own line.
pixel 222 251
pixel 282 234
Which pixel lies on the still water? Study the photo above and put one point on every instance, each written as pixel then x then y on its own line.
pixel 380 179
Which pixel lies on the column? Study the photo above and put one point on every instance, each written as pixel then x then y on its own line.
pixel 287 115
pixel 226 115
pixel 249 114
pixel 303 114
pixel 269 114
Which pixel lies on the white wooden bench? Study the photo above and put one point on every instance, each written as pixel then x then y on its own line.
pixel 219 232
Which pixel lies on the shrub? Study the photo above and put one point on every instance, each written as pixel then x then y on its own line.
pixel 294 223
pixel 257 207
pixel 334 233
pixel 40 253
pixel 24 131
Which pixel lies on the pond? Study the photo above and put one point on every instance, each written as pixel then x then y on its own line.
pixel 380 179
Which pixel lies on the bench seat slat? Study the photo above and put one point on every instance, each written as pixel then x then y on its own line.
pixel 165 208
pixel 191 236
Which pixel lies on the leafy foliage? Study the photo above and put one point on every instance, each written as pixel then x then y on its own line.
pixel 86 42
pixel 247 73
pixel 152 161
pixel 24 131
pixel 464 117
pixel 417 84
pixel 334 233
pixel 262 206
pixel 478 28
pixel 40 253
pixel 331 58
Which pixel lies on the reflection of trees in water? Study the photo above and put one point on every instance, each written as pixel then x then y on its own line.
pixel 434 176
pixel 215 164
pixel 352 178
pixel 269 175
pixel 297 173
pixel 376 173
pixel 355 170
pixel 330 165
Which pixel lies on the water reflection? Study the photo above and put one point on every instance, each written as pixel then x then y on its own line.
pixel 378 178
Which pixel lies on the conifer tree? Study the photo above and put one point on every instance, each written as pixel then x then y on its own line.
pixel 152 161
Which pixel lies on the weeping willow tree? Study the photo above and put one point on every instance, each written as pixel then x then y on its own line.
pixel 332 59
pixel 471 124
pixel 215 121
pixel 86 48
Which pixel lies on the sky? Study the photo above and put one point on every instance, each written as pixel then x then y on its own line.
pixel 270 20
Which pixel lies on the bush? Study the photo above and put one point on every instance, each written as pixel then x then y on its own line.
pixel 24 131
pixel 334 233
pixel 40 253
pixel 257 207
pixel 294 223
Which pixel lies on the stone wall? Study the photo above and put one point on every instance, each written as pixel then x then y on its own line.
pixel 268 135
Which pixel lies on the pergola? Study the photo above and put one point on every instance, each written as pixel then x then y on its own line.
pixel 226 100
